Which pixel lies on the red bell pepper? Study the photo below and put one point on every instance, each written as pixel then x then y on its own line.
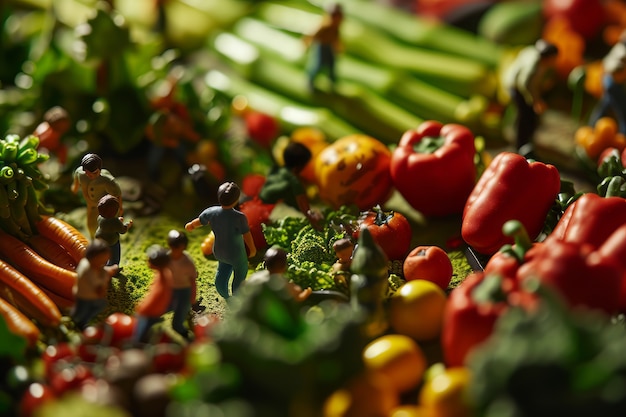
pixel 510 188
pixel 433 167
pixel 471 312
pixel 615 246
pixel 591 219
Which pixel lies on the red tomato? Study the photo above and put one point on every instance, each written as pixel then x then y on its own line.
pixel 56 356
pixel 430 263
pixel 586 17
pixel 70 378
pixel 257 213
pixel 121 327
pixel 35 396
pixel 261 127
pixel 390 230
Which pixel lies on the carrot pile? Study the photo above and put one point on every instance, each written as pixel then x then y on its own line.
pixel 38 253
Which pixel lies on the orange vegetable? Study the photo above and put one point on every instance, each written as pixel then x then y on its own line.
pixel 18 323
pixel 64 234
pixel 52 251
pixel 571 45
pixel 27 296
pixel 34 266
pixel 207 244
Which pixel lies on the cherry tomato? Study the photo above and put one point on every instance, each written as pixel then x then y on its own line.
pixel 430 263
pixel 390 230
pixel 121 327
pixel 261 127
pixel 35 396
pixel 56 356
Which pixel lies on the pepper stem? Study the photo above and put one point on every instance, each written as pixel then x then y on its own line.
pixel 516 230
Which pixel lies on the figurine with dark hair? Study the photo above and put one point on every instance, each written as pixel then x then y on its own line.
pixel 184 275
pixel 110 226
pixel 283 182
pixel 275 260
pixel 157 300
pixel 56 123
pixel 525 81
pixel 93 276
pixel 232 236
pixel 613 90
pixel 344 249
pixel 95 182
pixel 325 42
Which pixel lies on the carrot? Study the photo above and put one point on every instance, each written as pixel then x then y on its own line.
pixel 27 296
pixel 34 266
pixel 64 234
pixel 52 251
pixel 18 323
pixel 64 304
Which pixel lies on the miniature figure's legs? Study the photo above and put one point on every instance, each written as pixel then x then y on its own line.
pixel 85 310
pixel 222 276
pixel 142 327
pixel 526 122
pixel 240 273
pixel 323 57
pixel 616 100
pixel 181 304
pixel 92 220
pixel 116 254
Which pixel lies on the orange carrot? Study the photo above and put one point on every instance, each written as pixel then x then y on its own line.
pixel 35 267
pixel 64 234
pixel 18 323
pixel 27 296
pixel 64 304
pixel 52 251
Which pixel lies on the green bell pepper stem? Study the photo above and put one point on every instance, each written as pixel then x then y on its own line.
pixel 515 229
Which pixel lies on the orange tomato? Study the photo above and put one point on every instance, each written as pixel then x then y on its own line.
pixel 444 393
pixel 366 395
pixel 354 170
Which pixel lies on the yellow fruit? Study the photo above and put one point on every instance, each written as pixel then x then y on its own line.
pixel 445 393
pixel 399 358
pixel 416 310
pixel 409 411
pixel 367 395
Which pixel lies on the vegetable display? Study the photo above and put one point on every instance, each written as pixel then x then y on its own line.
pixel 433 167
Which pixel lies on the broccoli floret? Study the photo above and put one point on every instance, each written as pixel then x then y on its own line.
pixel 310 245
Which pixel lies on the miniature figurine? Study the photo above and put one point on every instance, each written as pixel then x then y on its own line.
pixel 184 275
pixel 525 81
pixel 110 226
pixel 283 182
pixel 232 236
pixel 613 90
pixel 325 42
pixel 93 277
pixel 275 266
pixel 158 299
pixel 95 182
pixel 56 123
pixel 344 249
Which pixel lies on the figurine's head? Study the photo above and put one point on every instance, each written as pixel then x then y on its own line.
pixel 98 252
pixel 177 239
pixel 228 194
pixel 58 118
pixel 546 49
pixel 335 11
pixel 343 248
pixel 296 155
pixel 91 163
pixel 108 206
pixel 158 257
pixel 275 260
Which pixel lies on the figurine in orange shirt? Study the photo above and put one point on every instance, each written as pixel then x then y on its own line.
pixel 325 42
pixel 157 300
pixel 56 123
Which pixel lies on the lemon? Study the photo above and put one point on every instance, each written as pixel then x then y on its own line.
pixel 397 356
pixel 416 310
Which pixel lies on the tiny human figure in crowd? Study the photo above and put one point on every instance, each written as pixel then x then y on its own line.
pixel 344 248
pixel 158 299
pixel 110 226
pixel 613 89
pixel 283 182
pixel 95 182
pixel 275 259
pixel 525 81
pixel 325 43
pixel 232 236
pixel 93 277
pixel 184 275
pixel 56 123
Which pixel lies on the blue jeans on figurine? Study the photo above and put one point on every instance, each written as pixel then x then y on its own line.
pixel 116 254
pixel 85 310
pixel 239 269
pixel 323 58
pixel 180 305
pixel 613 98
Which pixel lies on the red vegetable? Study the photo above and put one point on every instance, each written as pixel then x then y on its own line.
pixel 586 17
pixel 261 127
pixel 511 188
pixel 390 230
pixel 433 167
pixel 430 263
pixel 257 213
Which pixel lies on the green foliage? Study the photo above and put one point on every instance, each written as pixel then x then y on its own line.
pixel 553 361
